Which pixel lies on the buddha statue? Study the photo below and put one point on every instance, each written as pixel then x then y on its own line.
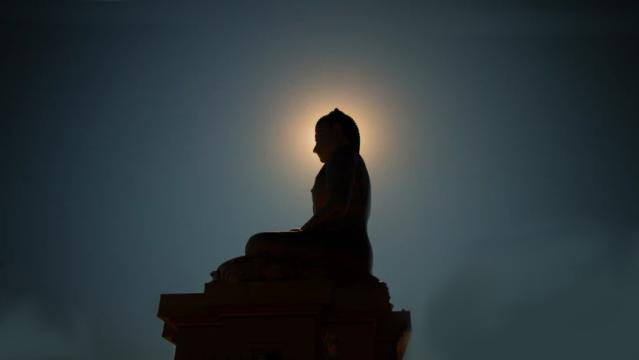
pixel 333 243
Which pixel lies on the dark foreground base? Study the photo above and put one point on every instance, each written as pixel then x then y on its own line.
pixel 297 319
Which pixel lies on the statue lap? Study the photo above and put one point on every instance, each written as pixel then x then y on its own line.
pixel 339 255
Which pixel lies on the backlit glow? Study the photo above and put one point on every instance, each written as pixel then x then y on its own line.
pixel 295 137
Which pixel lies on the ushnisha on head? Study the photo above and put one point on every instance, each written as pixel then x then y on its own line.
pixel 333 131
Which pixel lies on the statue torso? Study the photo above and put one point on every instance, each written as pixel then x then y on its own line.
pixel 344 175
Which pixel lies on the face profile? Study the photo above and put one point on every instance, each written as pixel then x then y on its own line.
pixel 327 138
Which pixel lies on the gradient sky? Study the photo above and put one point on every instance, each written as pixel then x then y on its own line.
pixel 142 143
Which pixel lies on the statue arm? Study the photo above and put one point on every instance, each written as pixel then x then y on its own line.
pixel 322 217
pixel 340 172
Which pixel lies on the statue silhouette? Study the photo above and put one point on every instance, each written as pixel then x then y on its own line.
pixel 334 241
pixel 307 293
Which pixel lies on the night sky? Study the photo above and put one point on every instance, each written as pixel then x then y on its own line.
pixel 142 144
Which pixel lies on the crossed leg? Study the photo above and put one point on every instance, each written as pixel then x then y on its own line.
pixel 350 252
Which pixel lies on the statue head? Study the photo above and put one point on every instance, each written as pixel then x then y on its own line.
pixel 333 131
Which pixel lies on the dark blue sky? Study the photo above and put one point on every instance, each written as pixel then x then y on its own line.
pixel 142 143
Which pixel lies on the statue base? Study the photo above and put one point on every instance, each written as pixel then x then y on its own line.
pixel 289 319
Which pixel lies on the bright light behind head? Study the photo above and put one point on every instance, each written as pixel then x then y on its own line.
pixel 296 127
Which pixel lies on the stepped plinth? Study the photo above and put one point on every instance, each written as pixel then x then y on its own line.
pixel 308 318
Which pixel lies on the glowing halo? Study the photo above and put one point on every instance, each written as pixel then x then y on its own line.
pixel 295 137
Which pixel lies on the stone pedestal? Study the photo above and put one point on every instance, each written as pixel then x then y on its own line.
pixel 300 319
